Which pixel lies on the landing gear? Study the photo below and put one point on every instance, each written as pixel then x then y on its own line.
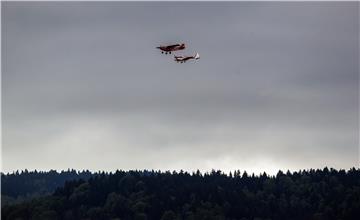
pixel 170 52
pixel 162 51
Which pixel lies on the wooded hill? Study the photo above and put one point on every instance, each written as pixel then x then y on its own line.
pixel 308 194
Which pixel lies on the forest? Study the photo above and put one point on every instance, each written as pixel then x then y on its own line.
pixel 306 194
pixel 21 186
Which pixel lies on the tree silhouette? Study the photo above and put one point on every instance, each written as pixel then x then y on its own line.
pixel 307 194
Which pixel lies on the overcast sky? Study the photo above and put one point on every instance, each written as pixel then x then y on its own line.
pixel 84 87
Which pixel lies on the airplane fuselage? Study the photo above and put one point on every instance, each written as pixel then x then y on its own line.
pixel 183 58
pixel 169 48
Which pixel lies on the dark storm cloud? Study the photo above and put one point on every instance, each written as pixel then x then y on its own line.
pixel 84 87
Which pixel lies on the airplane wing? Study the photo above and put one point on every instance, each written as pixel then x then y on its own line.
pixel 171 46
pixel 188 58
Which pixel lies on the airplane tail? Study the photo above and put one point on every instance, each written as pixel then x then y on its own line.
pixel 197 56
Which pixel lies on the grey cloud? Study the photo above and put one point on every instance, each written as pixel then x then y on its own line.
pixel 276 88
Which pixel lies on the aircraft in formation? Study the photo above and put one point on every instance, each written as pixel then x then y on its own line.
pixel 167 49
pixel 183 59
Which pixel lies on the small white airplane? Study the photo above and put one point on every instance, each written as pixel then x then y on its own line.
pixel 183 59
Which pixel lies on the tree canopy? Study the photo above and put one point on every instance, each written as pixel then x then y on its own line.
pixel 308 194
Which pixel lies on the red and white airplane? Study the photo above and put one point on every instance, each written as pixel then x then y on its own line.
pixel 167 49
pixel 183 59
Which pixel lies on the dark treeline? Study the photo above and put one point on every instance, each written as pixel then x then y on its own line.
pixel 20 186
pixel 311 194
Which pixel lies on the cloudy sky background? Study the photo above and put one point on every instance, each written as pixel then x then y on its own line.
pixel 84 87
